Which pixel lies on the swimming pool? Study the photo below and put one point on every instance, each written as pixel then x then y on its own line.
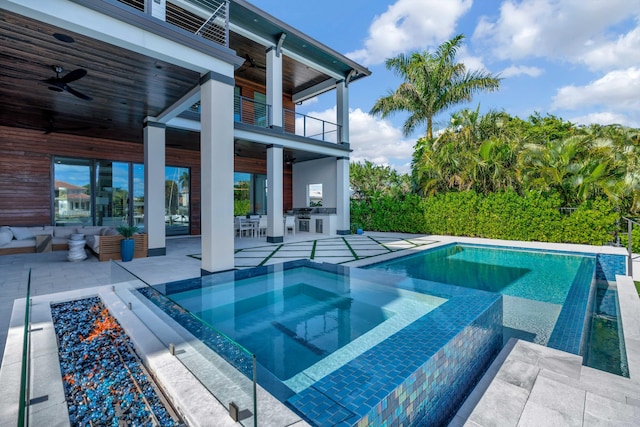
pixel 547 295
pixel 347 346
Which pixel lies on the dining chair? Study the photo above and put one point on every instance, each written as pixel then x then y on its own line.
pixel 290 224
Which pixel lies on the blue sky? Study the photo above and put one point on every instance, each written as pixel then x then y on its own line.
pixel 576 59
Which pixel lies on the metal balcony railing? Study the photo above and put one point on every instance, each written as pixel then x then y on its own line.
pixel 255 113
pixel 310 127
pixel 251 112
pixel 206 18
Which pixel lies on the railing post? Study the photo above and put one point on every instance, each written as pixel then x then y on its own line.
pixel 630 246
pixel 226 24
pixel 323 123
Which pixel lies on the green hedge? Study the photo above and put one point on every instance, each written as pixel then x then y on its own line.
pixel 504 215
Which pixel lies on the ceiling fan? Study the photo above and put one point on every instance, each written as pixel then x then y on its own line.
pixel 252 63
pixel 59 84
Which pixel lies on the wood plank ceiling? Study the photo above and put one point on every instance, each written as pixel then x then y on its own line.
pixel 125 86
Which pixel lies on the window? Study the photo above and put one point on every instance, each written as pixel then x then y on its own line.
pixel 108 193
pixel 138 196
pixel 314 195
pixel 237 110
pixel 260 109
pixel 176 216
pixel 72 191
pixel 112 193
pixel 249 193
pixel 241 193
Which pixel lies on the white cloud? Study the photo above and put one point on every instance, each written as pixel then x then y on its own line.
pixel 619 53
pixel 470 61
pixel 618 90
pixel 377 140
pixel 603 118
pixel 410 25
pixel 374 139
pixel 310 101
pixel 517 70
pixel 558 29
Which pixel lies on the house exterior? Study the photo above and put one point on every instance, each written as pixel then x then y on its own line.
pixel 172 115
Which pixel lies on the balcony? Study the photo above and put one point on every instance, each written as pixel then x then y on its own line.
pixel 255 113
pixel 206 18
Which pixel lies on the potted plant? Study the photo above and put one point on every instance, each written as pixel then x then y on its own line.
pixel 127 244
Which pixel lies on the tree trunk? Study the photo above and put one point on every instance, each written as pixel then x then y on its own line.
pixel 429 127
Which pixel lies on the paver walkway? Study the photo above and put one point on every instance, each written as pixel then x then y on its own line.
pixel 336 250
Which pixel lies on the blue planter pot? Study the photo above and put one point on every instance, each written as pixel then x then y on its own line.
pixel 126 249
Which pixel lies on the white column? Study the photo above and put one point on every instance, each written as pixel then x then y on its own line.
pixel 342 109
pixel 275 227
pixel 274 86
pixel 157 9
pixel 342 196
pixel 216 164
pixel 154 165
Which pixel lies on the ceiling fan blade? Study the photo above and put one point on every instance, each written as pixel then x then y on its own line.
pixel 78 94
pixel 253 64
pixel 74 75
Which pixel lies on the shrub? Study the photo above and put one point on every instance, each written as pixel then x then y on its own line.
pixel 503 215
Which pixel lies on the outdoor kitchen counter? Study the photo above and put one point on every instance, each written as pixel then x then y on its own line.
pixel 323 223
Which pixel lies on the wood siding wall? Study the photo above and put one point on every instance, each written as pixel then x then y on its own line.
pixel 25 171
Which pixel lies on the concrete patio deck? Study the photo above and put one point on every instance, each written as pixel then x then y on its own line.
pixel 527 384
pixel 51 272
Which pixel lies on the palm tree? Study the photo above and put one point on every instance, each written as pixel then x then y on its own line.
pixel 184 180
pixel 432 83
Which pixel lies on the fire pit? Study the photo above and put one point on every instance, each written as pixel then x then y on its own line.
pixel 105 382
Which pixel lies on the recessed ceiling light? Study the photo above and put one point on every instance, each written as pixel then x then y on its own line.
pixel 64 37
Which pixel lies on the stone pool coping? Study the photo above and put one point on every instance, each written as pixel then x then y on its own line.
pixel 523 384
pixel 439 241
pixel 195 403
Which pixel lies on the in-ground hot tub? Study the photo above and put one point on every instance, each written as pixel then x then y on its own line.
pixel 341 346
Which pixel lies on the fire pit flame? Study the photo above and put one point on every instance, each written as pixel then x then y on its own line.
pixel 106 323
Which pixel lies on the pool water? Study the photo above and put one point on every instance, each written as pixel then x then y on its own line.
pixel 606 346
pixel 299 325
pixel 534 284
pixel 345 346
pixel 304 316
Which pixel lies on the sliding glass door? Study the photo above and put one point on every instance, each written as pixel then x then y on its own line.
pixel 112 193
pixel 176 215
pixel 72 203
pixel 108 193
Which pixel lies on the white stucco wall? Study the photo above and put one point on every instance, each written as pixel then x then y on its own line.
pixel 321 171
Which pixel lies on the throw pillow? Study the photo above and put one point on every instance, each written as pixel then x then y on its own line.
pixel 5 236
pixel 22 233
pixel 110 231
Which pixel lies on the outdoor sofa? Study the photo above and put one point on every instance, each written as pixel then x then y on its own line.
pixel 103 241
